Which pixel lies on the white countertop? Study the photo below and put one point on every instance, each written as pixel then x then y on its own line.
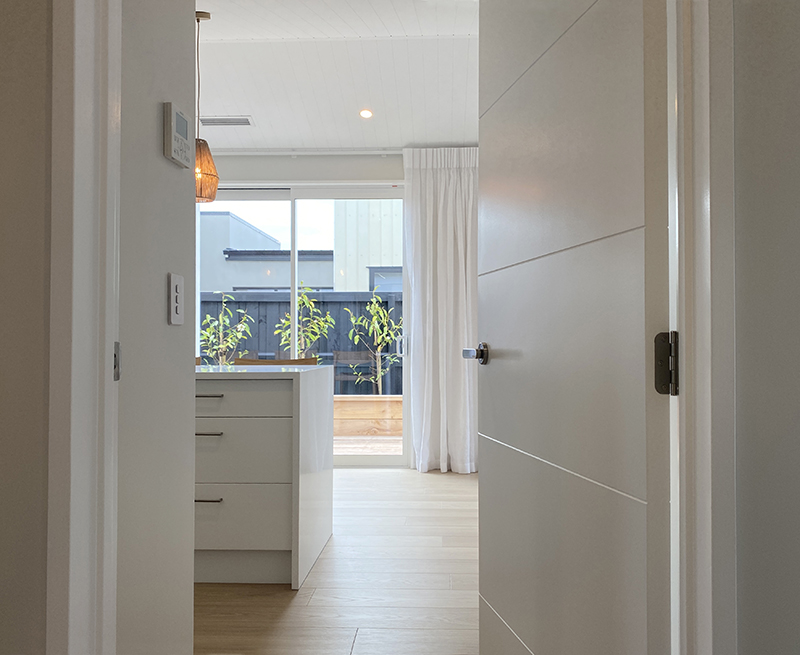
pixel 258 372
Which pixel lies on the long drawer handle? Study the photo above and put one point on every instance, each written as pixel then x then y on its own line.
pixel 208 434
pixel 209 395
pixel 219 500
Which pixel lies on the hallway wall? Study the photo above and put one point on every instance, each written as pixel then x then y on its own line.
pixel 156 395
pixel 25 274
pixel 767 160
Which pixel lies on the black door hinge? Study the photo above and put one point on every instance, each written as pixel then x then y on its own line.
pixel 667 363
pixel 116 361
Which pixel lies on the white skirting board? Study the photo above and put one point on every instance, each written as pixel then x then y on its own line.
pixel 243 566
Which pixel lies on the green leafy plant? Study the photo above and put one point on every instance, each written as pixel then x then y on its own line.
pixel 377 330
pixel 312 324
pixel 219 338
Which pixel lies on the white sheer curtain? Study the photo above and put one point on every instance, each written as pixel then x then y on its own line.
pixel 440 223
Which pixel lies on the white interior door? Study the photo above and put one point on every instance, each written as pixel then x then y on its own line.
pixel 574 454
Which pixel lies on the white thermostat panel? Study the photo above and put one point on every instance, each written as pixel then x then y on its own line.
pixel 177 146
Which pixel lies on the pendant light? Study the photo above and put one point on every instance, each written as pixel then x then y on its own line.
pixel 206 179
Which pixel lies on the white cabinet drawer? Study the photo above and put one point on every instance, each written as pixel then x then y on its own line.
pixel 249 517
pixel 243 450
pixel 243 398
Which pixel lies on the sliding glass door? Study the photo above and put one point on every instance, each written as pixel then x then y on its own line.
pixel 243 273
pixel 350 304
pixel 316 273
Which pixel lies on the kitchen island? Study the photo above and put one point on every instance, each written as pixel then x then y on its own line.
pixel 264 472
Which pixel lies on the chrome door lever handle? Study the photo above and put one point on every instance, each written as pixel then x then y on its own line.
pixel 481 353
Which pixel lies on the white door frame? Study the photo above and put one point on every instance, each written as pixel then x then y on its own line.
pixel 81 594
pixel 703 310
pixel 84 292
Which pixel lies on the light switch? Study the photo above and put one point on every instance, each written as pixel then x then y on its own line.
pixel 175 299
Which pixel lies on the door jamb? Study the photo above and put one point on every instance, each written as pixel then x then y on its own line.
pixel 84 301
pixel 703 310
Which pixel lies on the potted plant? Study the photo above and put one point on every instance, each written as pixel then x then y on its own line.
pixel 312 325
pixel 220 339
pixel 377 330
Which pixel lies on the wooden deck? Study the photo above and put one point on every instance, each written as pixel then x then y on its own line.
pixel 368 425
pixel 368 416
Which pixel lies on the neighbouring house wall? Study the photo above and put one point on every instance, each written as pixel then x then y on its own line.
pixel 25 35
pixel 767 161
pixel 156 394
pixel 223 230
pixel 245 237
pixel 366 233
pixel 220 274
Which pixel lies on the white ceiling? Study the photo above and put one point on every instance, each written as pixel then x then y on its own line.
pixel 303 69
pixel 248 20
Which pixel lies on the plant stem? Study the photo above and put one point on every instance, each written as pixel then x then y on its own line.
pixel 378 370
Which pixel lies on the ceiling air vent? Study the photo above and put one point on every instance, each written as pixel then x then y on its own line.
pixel 226 121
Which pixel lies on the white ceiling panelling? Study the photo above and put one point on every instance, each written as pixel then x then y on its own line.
pixel 258 20
pixel 306 93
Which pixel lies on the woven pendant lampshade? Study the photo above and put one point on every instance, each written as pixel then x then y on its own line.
pixel 206 179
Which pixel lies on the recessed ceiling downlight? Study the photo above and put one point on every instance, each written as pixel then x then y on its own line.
pixel 365 113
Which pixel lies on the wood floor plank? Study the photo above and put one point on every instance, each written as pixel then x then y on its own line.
pixel 460 541
pixel 383 541
pixel 388 512
pixel 465 581
pixel 399 577
pixel 359 529
pixel 343 521
pixel 239 596
pixel 378 580
pixel 298 641
pixel 436 598
pixel 416 642
pixel 398 552
pixel 469 505
pixel 368 445
pixel 442 519
pixel 399 618
pixel 325 618
pixel 377 565
pixel 422 497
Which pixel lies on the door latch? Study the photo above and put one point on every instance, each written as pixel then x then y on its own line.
pixel 481 353
pixel 666 368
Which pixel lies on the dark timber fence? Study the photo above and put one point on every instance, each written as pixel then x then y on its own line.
pixel 269 307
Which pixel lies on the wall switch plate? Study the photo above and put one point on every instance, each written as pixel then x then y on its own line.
pixel 175 299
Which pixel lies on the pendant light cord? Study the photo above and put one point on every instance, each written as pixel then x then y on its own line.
pixel 198 78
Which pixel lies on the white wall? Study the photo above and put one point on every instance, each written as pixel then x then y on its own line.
pixel 24 293
pixel 767 160
pixel 156 402
pixel 276 169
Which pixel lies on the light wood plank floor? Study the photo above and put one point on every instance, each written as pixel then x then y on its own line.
pixel 367 445
pixel 399 577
